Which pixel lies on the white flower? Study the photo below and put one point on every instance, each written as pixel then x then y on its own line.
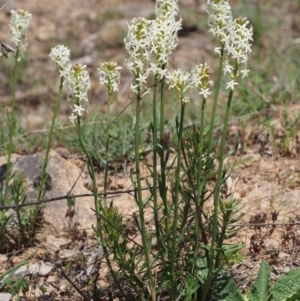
pixel 109 76
pixel 164 30
pixel 180 81
pixel 244 72
pixel 219 18
pixel 138 40
pixel 78 109
pixel 165 8
pixel 157 70
pixel 137 44
pixel 217 50
pixel 205 92
pixel 78 81
pixel 201 79
pixel 19 25
pixel 149 43
pixel 186 99
pixel 235 36
pixel 73 118
pixel 60 56
pixel 228 68
pixel 230 85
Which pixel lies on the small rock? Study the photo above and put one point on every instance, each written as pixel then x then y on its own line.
pixel 40 268
pixel 57 241
pixel 63 286
pixel 63 152
pixel 286 269
pixel 5 296
pixel 283 255
pixel 3 258
pixel 65 253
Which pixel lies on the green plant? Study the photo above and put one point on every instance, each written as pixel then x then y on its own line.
pixel 14 286
pixel 176 204
pixel 187 237
pixel 286 288
pixel 18 226
pixel 109 75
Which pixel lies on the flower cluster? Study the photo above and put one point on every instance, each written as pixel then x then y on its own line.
pixel 219 19
pixel 201 79
pixel 19 25
pixel 60 56
pixel 164 30
pixel 235 36
pixel 109 76
pixel 78 81
pixel 180 81
pixel 149 43
pixel 137 44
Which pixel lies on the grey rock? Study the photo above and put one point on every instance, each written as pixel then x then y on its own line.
pixel 5 296
pixel 62 177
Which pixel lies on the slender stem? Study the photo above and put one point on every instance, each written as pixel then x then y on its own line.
pixel 199 194
pixel 163 183
pixel 220 179
pixel 219 183
pixel 106 152
pixel 43 176
pixel 154 174
pixel 12 121
pixel 176 206
pixel 91 169
pixel 210 262
pixel 225 222
pixel 139 196
pixel 16 197
pixel 216 96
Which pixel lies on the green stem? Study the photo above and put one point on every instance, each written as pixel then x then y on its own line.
pixel 176 206
pixel 163 183
pixel 207 285
pixel 220 181
pixel 91 169
pixel 106 151
pixel 43 175
pixel 12 121
pixel 140 197
pixel 16 197
pixel 154 174
pixel 199 202
pixel 216 96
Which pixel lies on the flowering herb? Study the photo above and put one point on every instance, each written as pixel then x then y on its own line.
pixel 180 81
pixel 109 76
pixel 234 35
pixel 78 81
pixel 60 56
pixel 19 25
pixel 201 79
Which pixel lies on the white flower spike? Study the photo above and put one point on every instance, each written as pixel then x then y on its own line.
pixel 19 25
